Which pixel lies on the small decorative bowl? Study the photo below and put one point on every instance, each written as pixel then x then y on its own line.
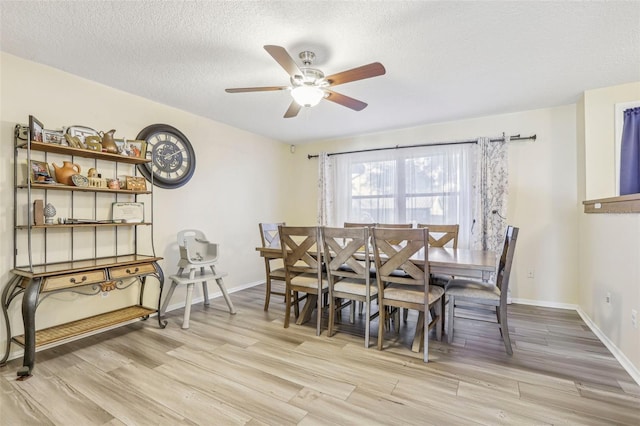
pixel 80 180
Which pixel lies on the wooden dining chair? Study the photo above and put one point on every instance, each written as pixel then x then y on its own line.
pixel 441 236
pixel 271 239
pixel 302 258
pixel 402 274
pixel 348 264
pixel 486 294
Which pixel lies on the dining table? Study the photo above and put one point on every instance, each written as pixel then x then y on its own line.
pixel 459 262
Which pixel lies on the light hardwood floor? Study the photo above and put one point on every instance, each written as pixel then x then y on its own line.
pixel 248 369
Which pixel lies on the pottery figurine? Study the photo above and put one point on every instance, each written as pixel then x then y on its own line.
pixel 64 173
pixel 108 143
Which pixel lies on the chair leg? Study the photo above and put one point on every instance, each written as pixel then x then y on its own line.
pixel 367 323
pixel 440 321
pixel 332 316
pixel 504 327
pixel 381 323
pixel 405 314
pixel 205 289
pixel 425 335
pixel 450 315
pixel 267 295
pixel 443 305
pixel 319 305
pixel 287 311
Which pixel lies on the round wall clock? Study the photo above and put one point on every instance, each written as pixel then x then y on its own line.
pixel 173 159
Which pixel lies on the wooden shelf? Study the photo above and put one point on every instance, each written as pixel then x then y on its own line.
pixel 81 188
pixel 87 153
pixel 57 333
pixel 49 269
pixel 82 225
pixel 622 204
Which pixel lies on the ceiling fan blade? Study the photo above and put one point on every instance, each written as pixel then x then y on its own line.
pixel 293 110
pixel 344 100
pixel 366 71
pixel 284 59
pixel 255 89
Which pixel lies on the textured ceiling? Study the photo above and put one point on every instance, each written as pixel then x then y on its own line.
pixel 445 60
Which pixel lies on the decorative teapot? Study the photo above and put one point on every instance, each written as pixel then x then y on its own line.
pixel 108 143
pixel 64 173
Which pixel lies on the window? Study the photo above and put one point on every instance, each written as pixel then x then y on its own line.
pixel 419 185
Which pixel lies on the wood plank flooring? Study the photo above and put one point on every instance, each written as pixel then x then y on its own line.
pixel 248 369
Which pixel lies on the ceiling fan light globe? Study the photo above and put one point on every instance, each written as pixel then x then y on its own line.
pixel 307 96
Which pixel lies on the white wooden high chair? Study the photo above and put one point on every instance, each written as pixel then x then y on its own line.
pixel 196 254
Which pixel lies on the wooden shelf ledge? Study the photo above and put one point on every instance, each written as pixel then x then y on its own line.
pixel 622 204
pixel 57 333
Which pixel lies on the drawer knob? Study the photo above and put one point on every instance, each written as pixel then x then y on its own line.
pixel 73 280
pixel 129 271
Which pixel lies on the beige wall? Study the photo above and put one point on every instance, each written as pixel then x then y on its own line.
pixel 609 256
pixel 542 191
pixel 235 186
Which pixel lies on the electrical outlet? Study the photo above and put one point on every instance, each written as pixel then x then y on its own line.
pixel 607 298
pixel 531 274
pixel 104 294
pixel 634 318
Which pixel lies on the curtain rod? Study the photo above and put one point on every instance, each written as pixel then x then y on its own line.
pixel 512 138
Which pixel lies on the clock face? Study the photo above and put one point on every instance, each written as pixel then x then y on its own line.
pixel 173 159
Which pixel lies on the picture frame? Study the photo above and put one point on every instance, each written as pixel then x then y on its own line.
pixel 137 148
pixel 36 129
pixel 52 136
pixel 128 212
pixel 39 172
pixel 120 143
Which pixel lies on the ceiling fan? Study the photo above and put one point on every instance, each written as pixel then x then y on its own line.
pixel 309 85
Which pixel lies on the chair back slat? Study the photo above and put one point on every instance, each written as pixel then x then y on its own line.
pixel 269 234
pixel 394 251
pixel 346 252
pixel 441 235
pixel 300 248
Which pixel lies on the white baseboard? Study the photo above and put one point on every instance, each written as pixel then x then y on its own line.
pixel 212 295
pixel 545 304
pixel 633 371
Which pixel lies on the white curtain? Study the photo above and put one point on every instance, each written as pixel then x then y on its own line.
pixel 420 185
pixel 325 190
pixel 490 190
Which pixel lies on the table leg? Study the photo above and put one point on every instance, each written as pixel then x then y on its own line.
pixel 307 309
pixel 29 305
pixel 7 295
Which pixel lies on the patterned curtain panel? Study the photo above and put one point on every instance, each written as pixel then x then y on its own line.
pixel 325 189
pixel 630 153
pixel 491 183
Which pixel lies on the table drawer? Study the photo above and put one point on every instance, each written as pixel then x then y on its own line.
pixel 74 280
pixel 132 271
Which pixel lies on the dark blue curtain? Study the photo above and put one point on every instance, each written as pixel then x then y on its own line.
pixel 630 153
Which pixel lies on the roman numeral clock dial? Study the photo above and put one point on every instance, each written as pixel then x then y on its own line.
pixel 173 160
